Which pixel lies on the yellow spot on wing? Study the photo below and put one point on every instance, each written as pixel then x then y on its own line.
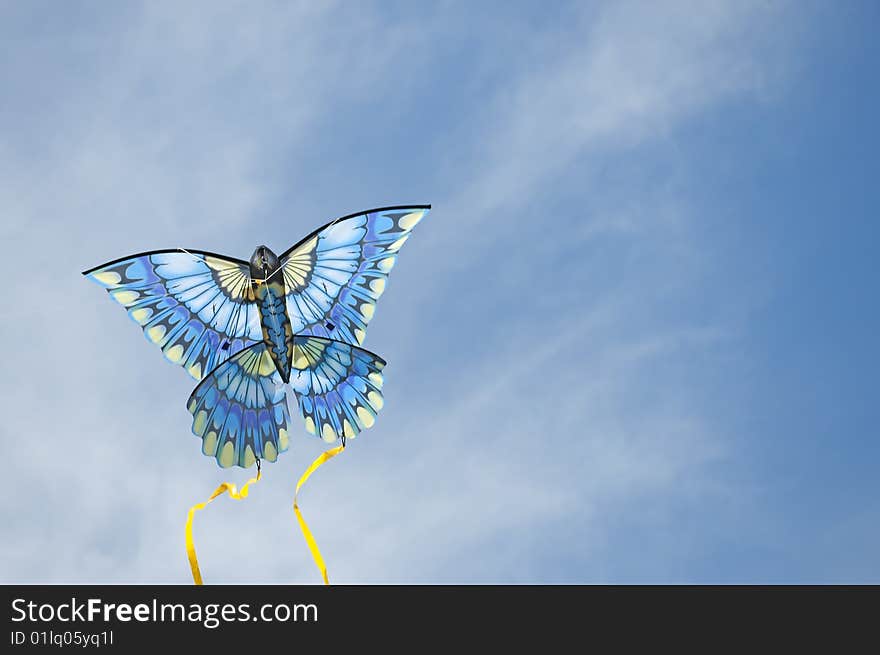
pixel 209 445
pixel 365 417
pixel 269 452
pixel 327 433
pixel 300 361
pixel 156 333
pixel 360 335
pixel 347 429
pixel 367 310
pixel 200 422
pixel 174 353
pixel 375 400
pixel 220 264
pixel 310 425
pixel 376 379
pixel 141 314
pixel 226 455
pixel 248 456
pixel 124 296
pixel 266 363
pixel 386 264
pixel 377 285
pixel 282 440
pixel 409 221
pixel 196 370
pixel 107 278
pixel 308 246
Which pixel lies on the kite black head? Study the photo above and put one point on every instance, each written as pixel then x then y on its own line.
pixel 264 262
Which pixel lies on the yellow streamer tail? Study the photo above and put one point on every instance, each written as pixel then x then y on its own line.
pixel 310 540
pixel 226 487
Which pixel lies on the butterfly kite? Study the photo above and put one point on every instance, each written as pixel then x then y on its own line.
pixel 249 331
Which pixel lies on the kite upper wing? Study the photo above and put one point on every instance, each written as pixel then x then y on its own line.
pixel 336 274
pixel 338 386
pixel 196 306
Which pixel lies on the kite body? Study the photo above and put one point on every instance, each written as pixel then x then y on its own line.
pixel 269 292
pixel 251 331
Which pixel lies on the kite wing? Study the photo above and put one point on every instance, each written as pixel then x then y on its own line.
pixel 196 306
pixel 240 409
pixel 338 386
pixel 336 274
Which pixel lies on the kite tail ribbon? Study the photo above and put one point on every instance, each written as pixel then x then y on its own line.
pixel 310 540
pixel 235 494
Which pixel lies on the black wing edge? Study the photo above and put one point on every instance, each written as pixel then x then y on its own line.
pixel 342 218
pixel 164 250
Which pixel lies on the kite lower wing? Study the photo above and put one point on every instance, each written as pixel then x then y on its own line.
pixel 338 386
pixel 240 410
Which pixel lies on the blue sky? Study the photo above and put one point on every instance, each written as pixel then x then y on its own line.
pixel 634 341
